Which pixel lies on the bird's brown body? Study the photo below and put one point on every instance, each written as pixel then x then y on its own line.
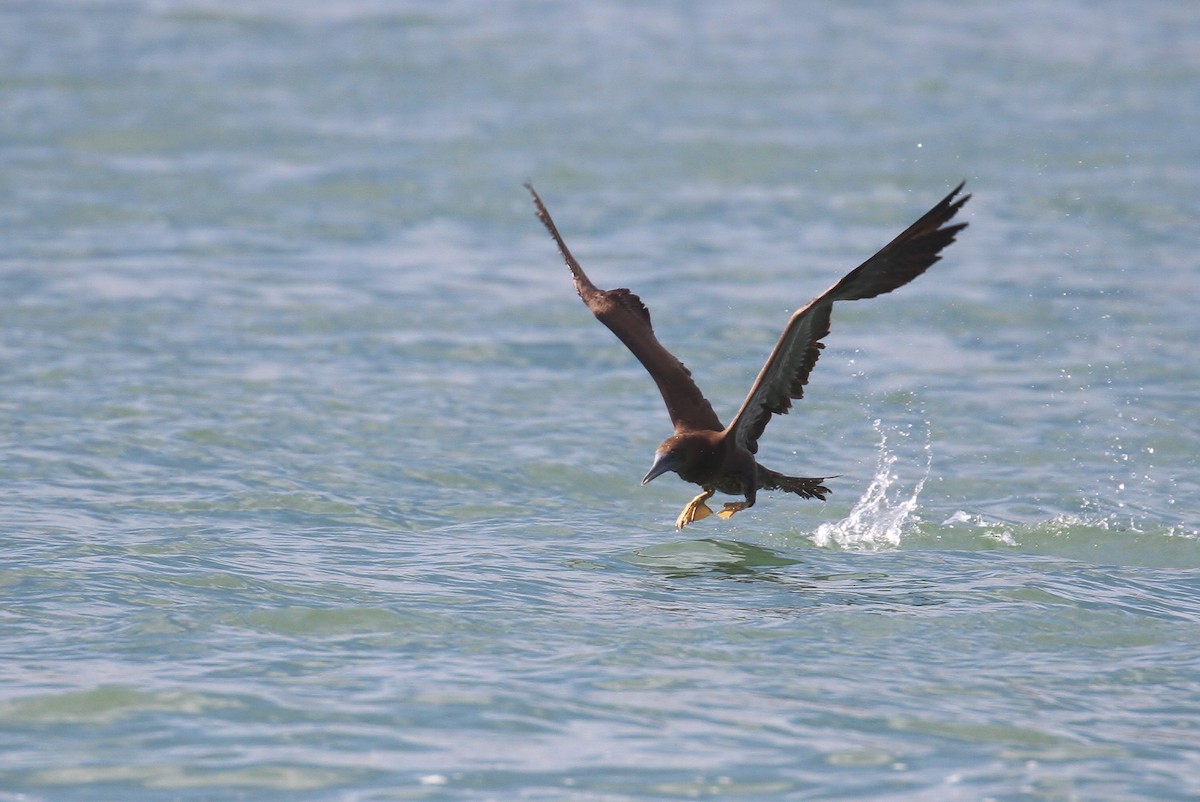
pixel 719 463
pixel 721 458
pixel 712 460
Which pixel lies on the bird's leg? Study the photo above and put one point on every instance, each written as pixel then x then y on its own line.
pixel 695 510
pixel 731 507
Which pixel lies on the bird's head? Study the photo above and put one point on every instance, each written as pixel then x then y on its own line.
pixel 678 453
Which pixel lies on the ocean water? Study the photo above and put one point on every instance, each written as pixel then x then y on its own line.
pixel 321 484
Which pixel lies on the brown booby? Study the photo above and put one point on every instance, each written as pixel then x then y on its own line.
pixel 721 458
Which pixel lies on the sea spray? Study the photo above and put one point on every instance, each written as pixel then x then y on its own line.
pixel 885 511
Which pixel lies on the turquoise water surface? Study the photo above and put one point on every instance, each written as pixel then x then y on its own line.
pixel 321 483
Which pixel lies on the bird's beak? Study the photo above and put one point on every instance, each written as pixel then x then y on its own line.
pixel 663 461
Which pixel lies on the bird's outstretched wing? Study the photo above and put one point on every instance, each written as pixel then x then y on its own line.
pixel 629 319
pixel 786 372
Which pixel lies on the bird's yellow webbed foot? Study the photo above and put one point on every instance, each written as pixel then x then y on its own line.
pixel 731 507
pixel 696 510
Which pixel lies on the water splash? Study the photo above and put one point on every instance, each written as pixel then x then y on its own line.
pixel 879 519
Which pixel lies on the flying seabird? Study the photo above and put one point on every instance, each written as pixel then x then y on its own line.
pixel 721 458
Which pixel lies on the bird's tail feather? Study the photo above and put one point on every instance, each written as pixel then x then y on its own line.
pixel 801 486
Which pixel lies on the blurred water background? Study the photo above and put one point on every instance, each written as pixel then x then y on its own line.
pixel 320 483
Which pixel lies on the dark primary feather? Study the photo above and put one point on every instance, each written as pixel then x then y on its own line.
pixel 629 319
pixel 787 369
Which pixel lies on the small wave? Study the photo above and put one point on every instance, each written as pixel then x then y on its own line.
pixel 887 509
pixel 1103 539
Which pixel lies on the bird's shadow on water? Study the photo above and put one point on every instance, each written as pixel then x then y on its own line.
pixel 824 577
pixel 688 558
